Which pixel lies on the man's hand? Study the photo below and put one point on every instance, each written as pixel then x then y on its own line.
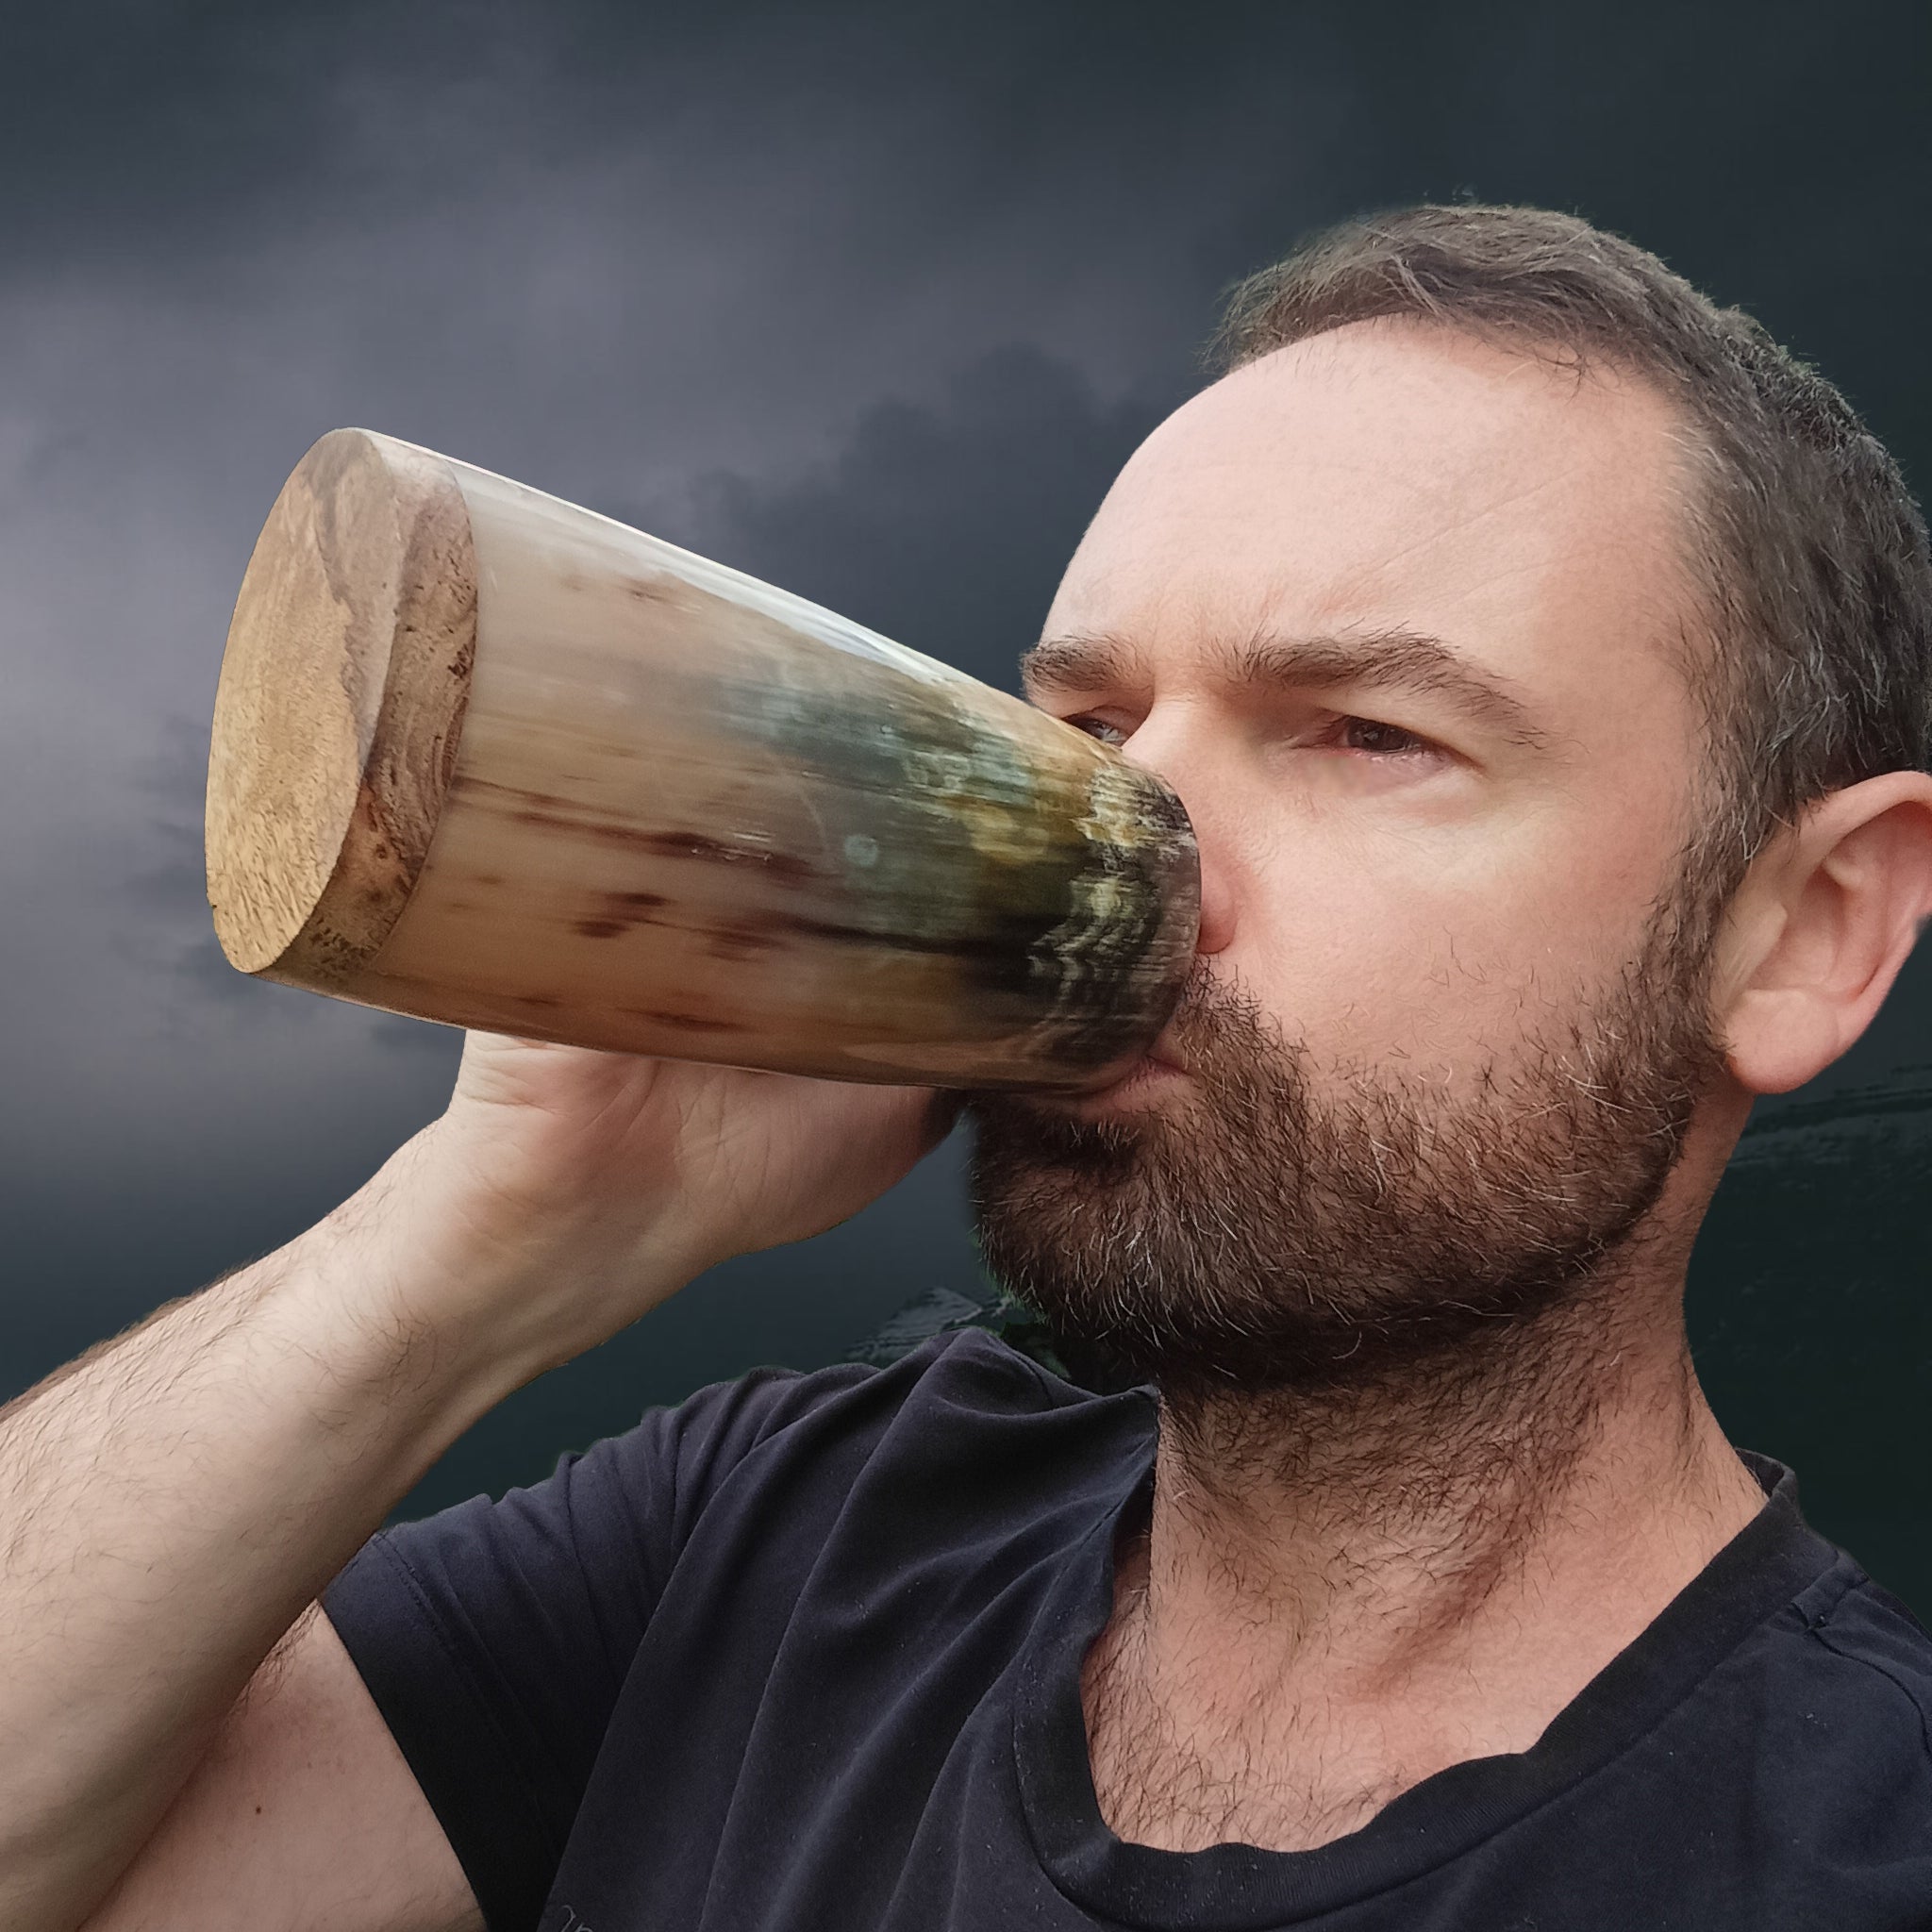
pixel 648 1171
pixel 171 1503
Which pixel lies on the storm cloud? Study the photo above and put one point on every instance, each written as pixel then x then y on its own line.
pixel 870 300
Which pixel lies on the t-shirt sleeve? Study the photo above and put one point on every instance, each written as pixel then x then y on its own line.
pixel 495 1637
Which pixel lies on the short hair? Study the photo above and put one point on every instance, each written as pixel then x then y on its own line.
pixel 1810 552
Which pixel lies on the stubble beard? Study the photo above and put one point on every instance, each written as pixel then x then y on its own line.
pixel 1292 1229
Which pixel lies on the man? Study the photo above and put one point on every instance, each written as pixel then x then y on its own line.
pixel 1545 660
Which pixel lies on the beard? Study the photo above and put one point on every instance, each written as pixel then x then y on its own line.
pixel 1289 1228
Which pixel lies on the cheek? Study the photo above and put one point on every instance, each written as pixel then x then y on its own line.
pixel 1435 950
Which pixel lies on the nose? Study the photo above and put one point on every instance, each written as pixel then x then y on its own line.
pixel 1169 747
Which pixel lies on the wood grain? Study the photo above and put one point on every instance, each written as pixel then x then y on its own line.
pixel 675 810
pixel 339 707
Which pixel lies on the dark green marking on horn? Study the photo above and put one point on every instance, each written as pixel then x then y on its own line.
pixel 1064 893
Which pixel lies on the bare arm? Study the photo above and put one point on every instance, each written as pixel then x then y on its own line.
pixel 301 1813
pixel 171 1505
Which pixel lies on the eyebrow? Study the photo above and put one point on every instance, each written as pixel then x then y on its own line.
pixel 1396 659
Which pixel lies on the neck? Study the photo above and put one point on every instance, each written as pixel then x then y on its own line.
pixel 1370 1583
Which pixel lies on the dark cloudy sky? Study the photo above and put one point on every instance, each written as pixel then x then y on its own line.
pixel 870 300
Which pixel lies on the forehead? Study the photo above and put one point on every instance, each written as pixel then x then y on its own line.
pixel 1394 477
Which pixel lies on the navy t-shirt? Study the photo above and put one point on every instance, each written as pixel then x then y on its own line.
pixel 803 1656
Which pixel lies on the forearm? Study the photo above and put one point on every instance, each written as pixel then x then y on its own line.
pixel 169 1505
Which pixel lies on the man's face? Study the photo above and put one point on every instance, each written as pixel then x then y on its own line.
pixel 1398 614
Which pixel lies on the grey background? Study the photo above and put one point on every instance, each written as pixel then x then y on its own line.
pixel 870 301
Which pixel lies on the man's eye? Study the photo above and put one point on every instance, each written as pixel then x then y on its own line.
pixel 1098 727
pixel 1366 734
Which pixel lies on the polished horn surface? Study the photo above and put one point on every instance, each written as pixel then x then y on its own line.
pixel 484 756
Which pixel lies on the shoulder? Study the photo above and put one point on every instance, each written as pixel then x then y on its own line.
pixel 1837 1654
pixel 1837 1707
pixel 965 1371
pixel 963 1459
pixel 1862 1641
pixel 963 1398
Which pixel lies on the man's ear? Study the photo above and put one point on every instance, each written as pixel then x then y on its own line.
pixel 1820 927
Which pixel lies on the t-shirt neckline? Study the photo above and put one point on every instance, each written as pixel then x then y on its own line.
pixel 1236 1887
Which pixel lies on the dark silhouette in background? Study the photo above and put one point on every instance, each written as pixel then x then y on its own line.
pixel 869 303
